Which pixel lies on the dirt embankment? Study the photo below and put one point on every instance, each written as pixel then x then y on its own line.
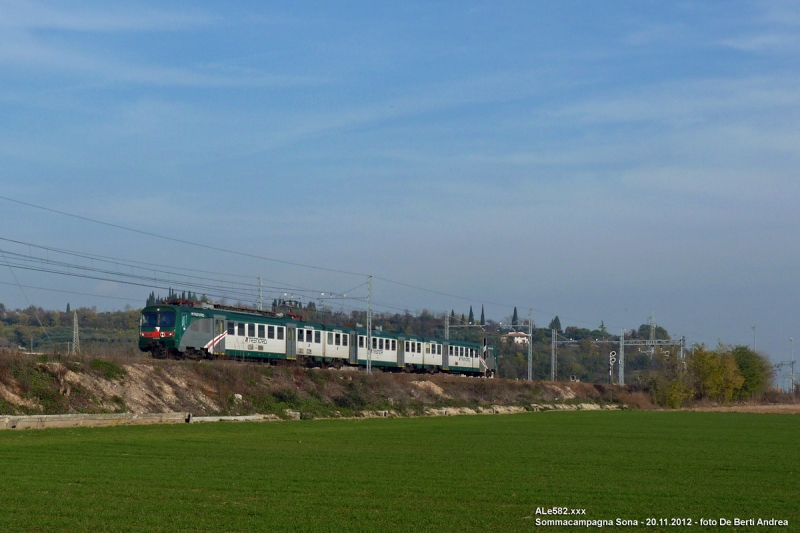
pixel 229 388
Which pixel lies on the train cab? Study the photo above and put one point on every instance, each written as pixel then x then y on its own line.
pixel 157 329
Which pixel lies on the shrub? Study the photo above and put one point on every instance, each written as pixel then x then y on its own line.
pixel 108 369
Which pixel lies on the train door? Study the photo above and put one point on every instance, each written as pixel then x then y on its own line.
pixel 353 348
pixel 401 352
pixel 445 355
pixel 218 341
pixel 291 342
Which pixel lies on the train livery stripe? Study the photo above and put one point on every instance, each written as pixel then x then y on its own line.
pixel 215 340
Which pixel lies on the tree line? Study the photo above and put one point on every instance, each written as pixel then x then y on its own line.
pixel 722 374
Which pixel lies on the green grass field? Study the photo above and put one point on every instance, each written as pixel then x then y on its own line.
pixel 467 473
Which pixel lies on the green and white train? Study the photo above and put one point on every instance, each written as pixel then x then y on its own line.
pixel 194 330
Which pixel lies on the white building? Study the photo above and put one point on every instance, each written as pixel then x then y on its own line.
pixel 517 338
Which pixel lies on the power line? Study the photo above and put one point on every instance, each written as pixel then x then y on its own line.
pixel 72 292
pixel 280 261
pixel 30 305
pixel 182 241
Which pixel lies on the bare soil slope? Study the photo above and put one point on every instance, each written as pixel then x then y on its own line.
pixel 59 386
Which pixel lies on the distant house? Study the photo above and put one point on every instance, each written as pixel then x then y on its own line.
pixel 517 338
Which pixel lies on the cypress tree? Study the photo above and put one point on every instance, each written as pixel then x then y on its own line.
pixel 471 315
pixel 514 319
pixel 67 307
pixel 483 318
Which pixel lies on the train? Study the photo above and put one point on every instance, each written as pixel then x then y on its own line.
pixel 200 330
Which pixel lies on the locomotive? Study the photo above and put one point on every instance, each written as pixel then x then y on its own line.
pixel 201 330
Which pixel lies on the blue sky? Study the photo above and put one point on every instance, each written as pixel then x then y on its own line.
pixel 600 161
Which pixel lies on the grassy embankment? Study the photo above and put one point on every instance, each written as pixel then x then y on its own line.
pixel 56 385
pixel 486 473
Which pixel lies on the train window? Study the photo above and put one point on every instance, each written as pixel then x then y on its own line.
pixel 270 332
pixel 317 337
pixel 166 320
pixel 338 337
pixel 280 333
pixel 419 347
pixel 330 338
pixel 427 348
pixel 251 330
pixel 150 319
pixel 438 349
pixel 261 331
pixel 406 345
pixel 231 328
pixel 360 341
pixel 300 336
pixel 374 343
pixel 183 320
pixel 240 329
pixel 394 344
pixel 344 339
pixel 451 350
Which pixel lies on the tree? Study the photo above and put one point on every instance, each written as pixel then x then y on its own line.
pixel 463 318
pixel 555 324
pixel 452 316
pixel 471 318
pixel 514 318
pixel 754 368
pixel 715 373
pixel 483 317
pixel 603 329
pixel 67 307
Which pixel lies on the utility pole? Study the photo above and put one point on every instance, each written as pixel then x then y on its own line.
pixel 530 345
pixel 260 295
pixel 76 343
pixel 446 327
pixel 622 358
pixel 553 354
pixel 369 324
pixel 791 341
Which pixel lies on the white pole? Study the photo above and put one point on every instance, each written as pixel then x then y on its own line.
pixel 622 358
pixel 530 345
pixel 369 325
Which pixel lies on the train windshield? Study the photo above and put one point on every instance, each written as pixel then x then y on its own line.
pixel 152 319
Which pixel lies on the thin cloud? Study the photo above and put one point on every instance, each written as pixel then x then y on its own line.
pixel 22 51
pixel 781 42
pixel 104 17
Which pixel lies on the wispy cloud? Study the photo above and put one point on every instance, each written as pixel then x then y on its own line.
pixel 101 17
pixel 24 47
pixel 782 42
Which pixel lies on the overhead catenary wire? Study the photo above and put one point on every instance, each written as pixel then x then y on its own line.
pixel 30 305
pixel 279 261
pixel 72 292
